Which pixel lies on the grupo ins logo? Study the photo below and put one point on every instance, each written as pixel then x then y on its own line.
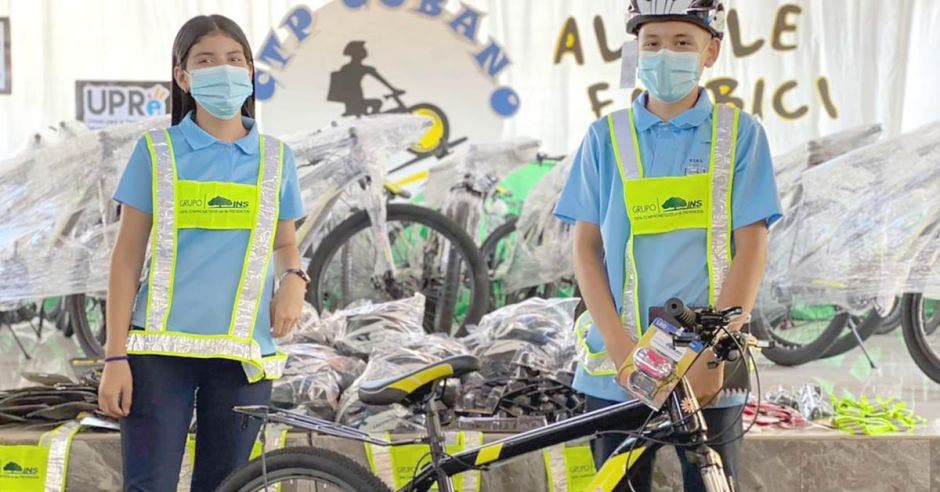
pixel 14 469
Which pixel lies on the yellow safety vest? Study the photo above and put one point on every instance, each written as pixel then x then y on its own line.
pixel 666 204
pixel 396 465
pixel 40 468
pixel 569 467
pixel 180 204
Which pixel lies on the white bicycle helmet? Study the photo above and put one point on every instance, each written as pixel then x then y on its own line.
pixel 709 14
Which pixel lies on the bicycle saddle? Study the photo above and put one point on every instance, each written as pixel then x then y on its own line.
pixel 397 389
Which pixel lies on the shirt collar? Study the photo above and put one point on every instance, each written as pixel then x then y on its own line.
pixel 692 117
pixel 200 139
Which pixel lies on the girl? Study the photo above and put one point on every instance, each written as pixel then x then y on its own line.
pixel 218 202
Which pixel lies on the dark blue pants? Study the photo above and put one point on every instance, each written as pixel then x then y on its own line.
pixel 153 436
pixel 717 420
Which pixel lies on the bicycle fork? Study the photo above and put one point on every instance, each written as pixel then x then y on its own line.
pixel 686 414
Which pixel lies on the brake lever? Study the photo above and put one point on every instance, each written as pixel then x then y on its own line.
pixel 728 315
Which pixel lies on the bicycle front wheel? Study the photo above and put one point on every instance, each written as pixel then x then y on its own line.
pixel 302 470
pixel 919 322
pixel 423 242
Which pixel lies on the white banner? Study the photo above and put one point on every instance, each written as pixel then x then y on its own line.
pixel 806 67
pixel 809 67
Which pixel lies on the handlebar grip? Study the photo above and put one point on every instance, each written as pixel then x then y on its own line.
pixel 678 310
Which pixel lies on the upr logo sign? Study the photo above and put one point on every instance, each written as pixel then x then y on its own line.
pixel 365 57
pixel 102 104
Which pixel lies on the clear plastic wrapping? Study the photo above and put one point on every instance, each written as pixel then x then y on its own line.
pixel 329 160
pixel 388 361
pixel 55 240
pixel 861 228
pixel 481 166
pixel 809 399
pixel 56 214
pixel 542 252
pixel 377 327
pixel 527 359
pixel 788 166
pixel 537 333
pixel 363 327
pixel 314 378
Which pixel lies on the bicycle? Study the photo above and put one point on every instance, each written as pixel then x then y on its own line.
pixel 426 388
pixel 471 178
pixel 528 256
pixel 378 235
pixel 806 331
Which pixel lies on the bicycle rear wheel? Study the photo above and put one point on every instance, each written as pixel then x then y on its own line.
pixel 423 241
pixel 919 323
pixel 302 470
pixel 86 314
pixel 798 338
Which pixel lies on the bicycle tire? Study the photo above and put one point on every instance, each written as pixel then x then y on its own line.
pixel 446 306
pixel 892 321
pixel 488 249
pixel 847 340
pixel 790 354
pixel 304 462
pixel 410 213
pixel 91 344
pixel 488 252
pixel 914 327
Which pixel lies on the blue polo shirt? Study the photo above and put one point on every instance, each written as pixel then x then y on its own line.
pixel 671 264
pixel 209 262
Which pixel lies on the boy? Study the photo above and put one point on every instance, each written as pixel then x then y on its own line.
pixel 671 198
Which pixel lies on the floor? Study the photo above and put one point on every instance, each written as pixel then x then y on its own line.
pixel 895 375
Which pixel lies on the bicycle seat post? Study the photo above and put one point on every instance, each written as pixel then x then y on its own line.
pixel 436 439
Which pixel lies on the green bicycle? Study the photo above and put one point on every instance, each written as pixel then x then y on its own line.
pixel 307 468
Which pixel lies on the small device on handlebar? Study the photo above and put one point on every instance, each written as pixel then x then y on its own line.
pixel 673 341
pixel 708 326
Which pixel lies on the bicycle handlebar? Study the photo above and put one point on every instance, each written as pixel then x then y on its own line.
pixel 705 325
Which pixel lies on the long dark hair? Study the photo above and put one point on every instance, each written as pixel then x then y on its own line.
pixel 181 102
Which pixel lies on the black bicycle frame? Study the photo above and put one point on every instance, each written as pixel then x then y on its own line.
pixel 588 424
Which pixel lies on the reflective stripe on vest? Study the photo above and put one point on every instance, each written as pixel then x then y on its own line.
pixel 665 204
pixel 177 205
pixel 568 467
pixel 396 465
pixel 58 440
pixel 472 479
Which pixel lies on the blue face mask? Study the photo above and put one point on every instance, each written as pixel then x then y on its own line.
pixel 221 90
pixel 669 75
